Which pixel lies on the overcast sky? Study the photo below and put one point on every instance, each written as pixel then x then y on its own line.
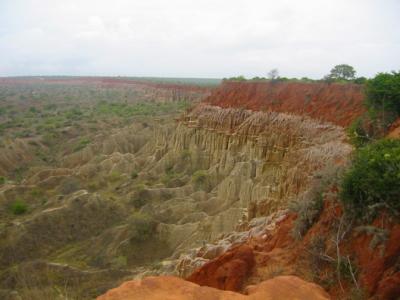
pixel 204 38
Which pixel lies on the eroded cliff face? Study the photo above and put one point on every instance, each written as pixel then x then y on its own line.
pixel 252 163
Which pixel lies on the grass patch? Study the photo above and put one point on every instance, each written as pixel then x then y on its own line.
pixel 19 207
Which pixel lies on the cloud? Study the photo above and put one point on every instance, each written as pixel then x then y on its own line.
pixel 197 38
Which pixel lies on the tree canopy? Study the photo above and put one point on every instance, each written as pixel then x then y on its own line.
pixel 341 72
pixel 383 92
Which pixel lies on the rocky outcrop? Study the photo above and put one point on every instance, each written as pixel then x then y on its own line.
pixel 336 103
pixel 164 288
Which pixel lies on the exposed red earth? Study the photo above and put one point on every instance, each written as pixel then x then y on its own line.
pixel 377 266
pixel 336 103
pixel 173 288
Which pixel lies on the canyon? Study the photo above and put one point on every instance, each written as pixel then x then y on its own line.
pixel 212 193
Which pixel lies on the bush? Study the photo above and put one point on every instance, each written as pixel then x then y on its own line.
pixel 2 180
pixel 140 197
pixel 383 92
pixel 134 175
pixel 19 207
pixel 142 227
pixel 373 181
pixel 70 185
pixel 114 176
pixel 360 80
pixel 360 132
pixel 81 144
pixel 200 179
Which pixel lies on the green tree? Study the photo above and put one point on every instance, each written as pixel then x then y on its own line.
pixel 341 72
pixel 383 92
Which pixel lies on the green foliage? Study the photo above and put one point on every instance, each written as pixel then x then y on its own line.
pixel 37 192
pixel 141 226
pixel 134 175
pixel 114 176
pixel 346 267
pixel 237 78
pixel 140 196
pixel 383 92
pixel 358 132
pixel 200 179
pixel 341 72
pixel 18 207
pixel 140 109
pixel 186 154
pixel 83 142
pixel 373 181
pixel 360 80
pixel 2 180
pixel 383 104
pixel 70 185
pixel 119 262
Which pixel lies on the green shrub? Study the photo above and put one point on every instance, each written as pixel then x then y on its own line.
pixel 70 185
pixel 81 144
pixel 358 132
pixel 360 80
pixel 18 207
pixel 134 175
pixel 2 180
pixel 373 181
pixel 186 154
pixel 140 197
pixel 200 179
pixel 36 192
pixel 142 226
pixel 114 176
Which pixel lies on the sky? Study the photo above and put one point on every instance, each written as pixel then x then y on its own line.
pixel 207 38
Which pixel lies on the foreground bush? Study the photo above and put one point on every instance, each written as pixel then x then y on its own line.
pixel 373 181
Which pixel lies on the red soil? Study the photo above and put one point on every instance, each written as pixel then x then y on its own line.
pixel 378 270
pixel 380 265
pixel 228 271
pixel 336 103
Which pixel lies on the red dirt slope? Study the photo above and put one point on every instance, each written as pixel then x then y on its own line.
pixel 336 103
pixel 277 252
pixel 232 269
pixel 173 288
